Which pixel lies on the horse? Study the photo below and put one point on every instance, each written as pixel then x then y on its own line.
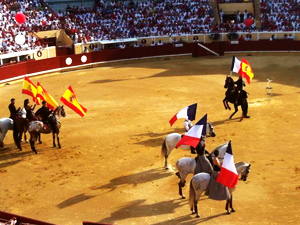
pixel 200 181
pixel 187 165
pixel 35 128
pixel 6 124
pixel 172 139
pixel 231 96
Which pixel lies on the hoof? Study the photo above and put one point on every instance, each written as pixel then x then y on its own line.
pixel 59 146
pixel 54 146
pixel 193 212
pixel 40 142
pixel 228 212
pixel 229 108
pixel 247 117
pixel 197 216
pixel 232 210
pixel 26 141
pixel 182 196
pixel 166 168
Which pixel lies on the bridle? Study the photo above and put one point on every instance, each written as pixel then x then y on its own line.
pixel 244 174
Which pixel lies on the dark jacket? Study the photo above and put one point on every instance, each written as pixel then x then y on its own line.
pixel 240 84
pixel 13 111
pixel 43 112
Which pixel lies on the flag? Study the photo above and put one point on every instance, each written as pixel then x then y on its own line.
pixel 29 88
pixel 228 175
pixel 69 99
pixel 193 136
pixel 43 95
pixel 40 96
pixel 188 112
pixel 235 65
pixel 246 71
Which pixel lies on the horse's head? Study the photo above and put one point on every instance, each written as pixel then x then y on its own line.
pixel 245 173
pixel 62 111
pixel 229 82
pixel 210 130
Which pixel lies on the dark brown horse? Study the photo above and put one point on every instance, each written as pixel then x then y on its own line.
pixel 231 96
pixel 19 127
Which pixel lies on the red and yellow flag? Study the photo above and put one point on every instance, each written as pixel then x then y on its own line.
pixel 43 95
pixel 29 88
pixel 246 71
pixel 69 99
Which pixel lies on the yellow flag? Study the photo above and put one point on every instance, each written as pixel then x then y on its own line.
pixel 29 88
pixel 43 95
pixel 69 99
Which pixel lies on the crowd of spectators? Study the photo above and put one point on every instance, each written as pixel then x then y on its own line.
pixel 280 15
pixel 37 19
pixel 120 19
pixel 117 20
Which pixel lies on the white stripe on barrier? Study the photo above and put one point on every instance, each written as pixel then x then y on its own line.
pixel 208 49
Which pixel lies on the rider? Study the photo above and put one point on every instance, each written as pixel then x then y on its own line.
pixel 202 163
pixel 12 109
pixel 44 113
pixel 239 85
pixel 187 124
pixel 29 110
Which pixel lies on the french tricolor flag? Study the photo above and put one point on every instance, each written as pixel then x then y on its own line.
pixel 235 65
pixel 228 175
pixel 193 136
pixel 186 113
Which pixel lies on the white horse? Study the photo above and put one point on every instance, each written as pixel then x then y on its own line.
pixel 6 124
pixel 172 139
pixel 200 181
pixel 187 165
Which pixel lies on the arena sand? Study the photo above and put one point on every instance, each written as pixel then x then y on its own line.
pixel 109 168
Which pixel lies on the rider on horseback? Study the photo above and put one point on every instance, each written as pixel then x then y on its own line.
pixel 12 109
pixel 239 85
pixel 44 113
pixel 29 110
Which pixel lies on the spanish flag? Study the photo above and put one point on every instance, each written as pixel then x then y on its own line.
pixel 29 88
pixel 69 99
pixel 246 71
pixel 43 95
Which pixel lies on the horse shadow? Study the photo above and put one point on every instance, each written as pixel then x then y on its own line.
pixel 135 179
pixel 74 200
pixel 225 121
pixel 137 209
pixel 190 219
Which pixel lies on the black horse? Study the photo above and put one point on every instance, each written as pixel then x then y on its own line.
pixel 231 96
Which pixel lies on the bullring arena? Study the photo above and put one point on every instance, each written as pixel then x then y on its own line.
pixel 109 168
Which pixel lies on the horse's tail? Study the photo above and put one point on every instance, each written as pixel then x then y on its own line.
pixel 15 133
pixel 164 150
pixel 192 195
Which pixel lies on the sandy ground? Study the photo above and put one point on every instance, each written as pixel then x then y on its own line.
pixel 109 168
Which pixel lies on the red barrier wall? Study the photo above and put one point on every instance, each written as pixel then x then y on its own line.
pixel 32 66
pixel 22 219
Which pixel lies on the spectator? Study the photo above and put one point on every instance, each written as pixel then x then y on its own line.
pixel 272 38
pixel 248 37
pixel 152 43
pixel 122 45
pixel 291 37
pixel 241 38
pixel 136 45
pixel 285 36
pixel 160 43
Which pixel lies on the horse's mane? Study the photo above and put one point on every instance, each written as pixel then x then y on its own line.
pixel 238 164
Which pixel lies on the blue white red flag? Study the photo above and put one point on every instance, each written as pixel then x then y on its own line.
pixel 228 175
pixel 188 112
pixel 193 136
pixel 235 65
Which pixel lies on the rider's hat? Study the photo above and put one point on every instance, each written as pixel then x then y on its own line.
pixel 12 99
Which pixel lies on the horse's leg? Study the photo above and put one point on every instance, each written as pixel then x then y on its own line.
pixel 166 161
pixel 228 105
pixel 227 206
pixel 181 184
pixel 231 206
pixel 58 140
pixel 19 140
pixel 224 103
pixel 196 209
pixel 25 137
pixel 32 143
pixel 40 141
pixel 235 110
pixel 53 135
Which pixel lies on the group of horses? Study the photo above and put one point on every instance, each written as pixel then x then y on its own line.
pixel 35 128
pixel 186 165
